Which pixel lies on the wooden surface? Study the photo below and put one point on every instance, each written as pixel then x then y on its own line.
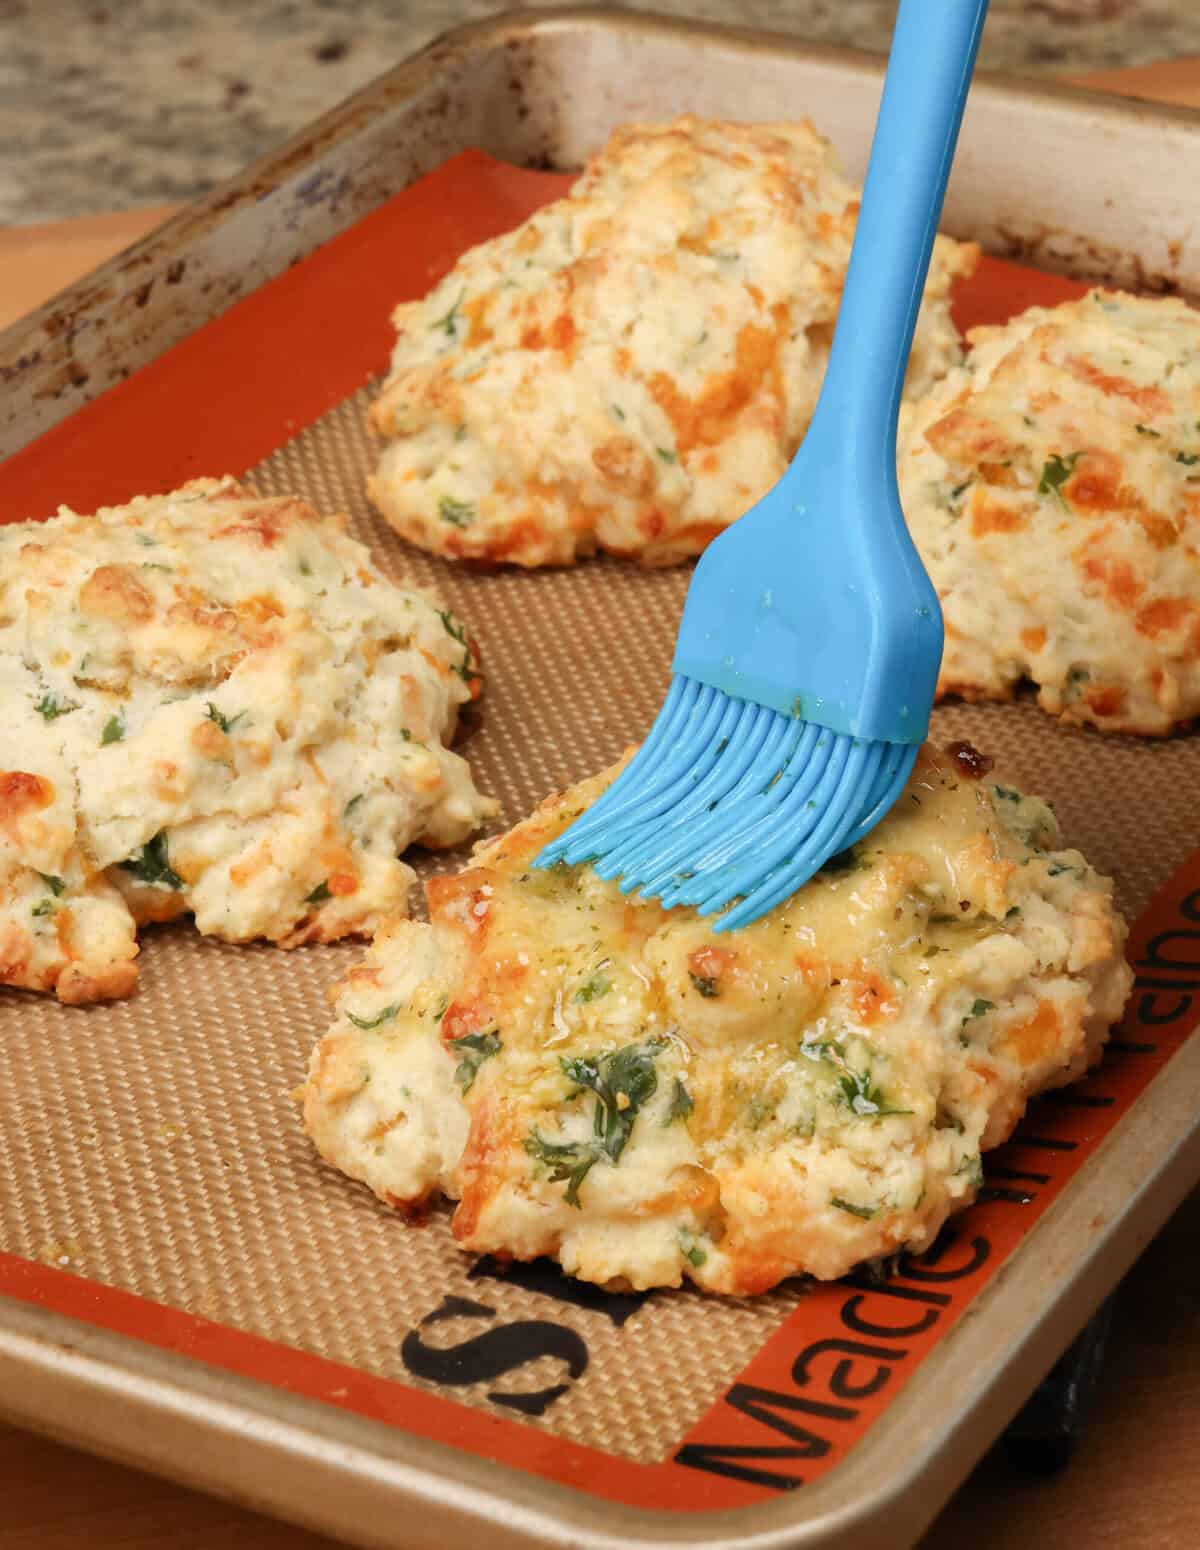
pixel 36 262
pixel 1134 1482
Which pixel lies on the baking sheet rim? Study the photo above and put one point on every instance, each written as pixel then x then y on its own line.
pixel 348 1447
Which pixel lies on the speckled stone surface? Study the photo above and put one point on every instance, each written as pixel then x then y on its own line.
pixel 136 102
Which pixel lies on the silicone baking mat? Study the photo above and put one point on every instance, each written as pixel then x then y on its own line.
pixel 154 1176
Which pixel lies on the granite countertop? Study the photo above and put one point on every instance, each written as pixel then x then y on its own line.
pixel 141 102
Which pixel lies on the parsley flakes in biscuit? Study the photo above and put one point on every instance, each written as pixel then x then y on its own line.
pixel 215 703
pixel 605 1082
pixel 1052 486
pixel 632 368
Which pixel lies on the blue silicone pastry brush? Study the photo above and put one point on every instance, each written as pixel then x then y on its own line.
pixel 808 652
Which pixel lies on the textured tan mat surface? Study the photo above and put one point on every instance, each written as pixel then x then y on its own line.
pixel 152 1145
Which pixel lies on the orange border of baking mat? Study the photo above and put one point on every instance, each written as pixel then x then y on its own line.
pixel 225 398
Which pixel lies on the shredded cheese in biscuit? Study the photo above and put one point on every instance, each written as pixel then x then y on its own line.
pixel 1052 486
pixel 635 366
pixel 214 703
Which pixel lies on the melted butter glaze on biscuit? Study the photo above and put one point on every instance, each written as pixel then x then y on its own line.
pixel 603 1081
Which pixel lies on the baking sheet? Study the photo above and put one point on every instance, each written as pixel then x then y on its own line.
pixel 150 1150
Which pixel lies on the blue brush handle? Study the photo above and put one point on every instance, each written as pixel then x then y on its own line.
pixel 815 603
pixel 929 72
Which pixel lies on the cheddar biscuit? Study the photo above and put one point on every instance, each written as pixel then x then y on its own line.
pixel 635 366
pixel 1052 485
pixel 599 1080
pixel 214 703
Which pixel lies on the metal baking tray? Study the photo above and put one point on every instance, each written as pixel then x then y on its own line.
pixel 833 1417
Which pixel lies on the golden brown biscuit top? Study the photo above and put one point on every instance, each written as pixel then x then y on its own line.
pixel 634 366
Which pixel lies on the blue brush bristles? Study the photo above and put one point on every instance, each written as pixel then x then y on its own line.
pixel 729 800
pixel 808 652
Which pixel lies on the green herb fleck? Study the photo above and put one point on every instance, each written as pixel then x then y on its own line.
pixel 226 723
pixel 681 1103
pixel 50 706
pixel 1075 680
pixel 1187 458
pixel 114 731
pixel 859 1095
pixel 1007 794
pixel 1055 472
pixel 55 884
pixel 704 984
pixel 44 907
pixel 449 323
pixel 457 513
pixel 597 985
pixel 151 864
pixel 319 894
pixel 972 1166
pixel 690 1248
pixel 1145 430
pixel 866 1212
pixel 457 630
pixel 1057 868
pixel 569 1160
pixel 352 805
pixel 367 1023
pixel 474 1048
pixel 979 1008
pixel 666 454
pixel 618 411
pixel 855 1088
pixel 622 1081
